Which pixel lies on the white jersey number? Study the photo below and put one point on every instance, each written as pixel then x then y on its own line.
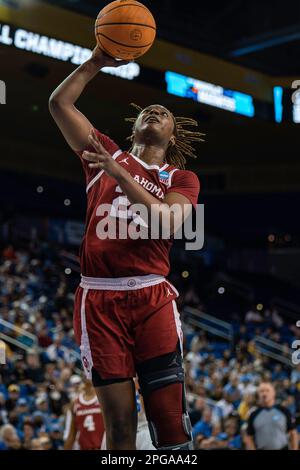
pixel 120 209
pixel 89 423
pixel 120 206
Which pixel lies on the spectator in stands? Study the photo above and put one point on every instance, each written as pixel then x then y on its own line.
pixel 232 389
pixel 36 444
pixel 58 350
pixel 56 437
pixel 284 389
pixel 216 393
pixel 34 372
pixel 200 345
pixel 22 408
pixel 247 383
pixel 197 408
pixel 276 318
pixel 203 428
pixel 42 416
pixel 246 406
pixel 39 422
pixel 55 351
pixel 224 407
pixel 9 439
pixel 253 316
pixel 228 439
pixel 279 373
pixel 13 396
pixel 46 442
pixel 19 370
pixel 27 435
pixel 44 337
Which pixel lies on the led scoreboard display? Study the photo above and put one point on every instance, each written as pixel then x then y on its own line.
pixel 208 93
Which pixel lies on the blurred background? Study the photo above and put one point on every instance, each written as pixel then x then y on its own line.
pixel 232 66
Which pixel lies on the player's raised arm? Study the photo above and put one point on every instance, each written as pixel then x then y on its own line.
pixel 74 126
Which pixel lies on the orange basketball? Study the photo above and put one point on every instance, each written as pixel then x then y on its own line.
pixel 125 29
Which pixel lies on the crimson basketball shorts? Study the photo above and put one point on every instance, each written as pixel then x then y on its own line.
pixel 122 322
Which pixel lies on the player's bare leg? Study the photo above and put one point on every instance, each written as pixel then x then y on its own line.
pixel 118 404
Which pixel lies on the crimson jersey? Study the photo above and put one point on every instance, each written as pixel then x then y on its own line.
pixel 88 423
pixel 128 257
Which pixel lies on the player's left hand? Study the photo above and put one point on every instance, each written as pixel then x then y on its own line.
pixel 101 158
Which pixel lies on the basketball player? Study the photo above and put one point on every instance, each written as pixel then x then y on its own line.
pixel 84 421
pixel 125 318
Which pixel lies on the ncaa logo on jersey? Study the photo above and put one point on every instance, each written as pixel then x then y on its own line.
pixel 164 177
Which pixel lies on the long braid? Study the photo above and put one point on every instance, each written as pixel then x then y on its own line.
pixel 176 154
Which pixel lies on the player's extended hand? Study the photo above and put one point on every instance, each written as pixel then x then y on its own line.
pixel 101 158
pixel 101 59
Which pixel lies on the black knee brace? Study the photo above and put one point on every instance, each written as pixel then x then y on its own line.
pixel 155 374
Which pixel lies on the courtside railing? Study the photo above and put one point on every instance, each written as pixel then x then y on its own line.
pixel 18 332
pixel 209 323
pixel 276 351
pixel 15 342
pixel 13 333
pixel 217 327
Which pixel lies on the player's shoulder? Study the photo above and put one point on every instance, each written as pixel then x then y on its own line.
pixel 180 172
pixel 187 177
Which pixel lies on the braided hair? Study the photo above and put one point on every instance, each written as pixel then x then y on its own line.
pixel 176 154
